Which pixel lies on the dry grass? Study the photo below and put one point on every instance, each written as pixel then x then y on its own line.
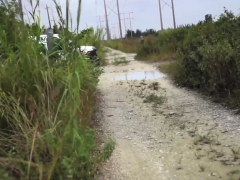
pixel 170 68
pixel 126 45
pixel 120 62
pixel 161 57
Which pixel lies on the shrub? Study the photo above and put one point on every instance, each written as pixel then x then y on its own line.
pixel 209 57
pixel 162 44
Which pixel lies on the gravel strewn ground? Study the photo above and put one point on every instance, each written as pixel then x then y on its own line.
pixel 175 135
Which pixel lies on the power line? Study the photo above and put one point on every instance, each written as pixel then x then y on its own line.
pixel 130 23
pixel 48 16
pixel 53 15
pixel 100 21
pixel 106 17
pixel 173 12
pixel 160 13
pixel 115 33
pixel 130 18
pixel 119 20
pixel 112 10
pixel 166 3
pixel 124 20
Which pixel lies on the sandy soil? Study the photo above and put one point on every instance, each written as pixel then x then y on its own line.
pixel 162 131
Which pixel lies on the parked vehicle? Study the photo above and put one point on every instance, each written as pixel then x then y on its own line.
pixel 89 51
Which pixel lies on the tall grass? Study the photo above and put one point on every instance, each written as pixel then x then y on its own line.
pixel 162 46
pixel 155 47
pixel 125 45
pixel 46 105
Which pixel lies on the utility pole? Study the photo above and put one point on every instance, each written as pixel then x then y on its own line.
pixel 21 9
pixel 119 20
pixel 106 17
pixel 129 14
pixel 53 16
pixel 173 12
pixel 160 12
pixel 124 19
pixel 100 21
pixel 48 17
pixel 104 31
pixel 130 23
pixel 115 33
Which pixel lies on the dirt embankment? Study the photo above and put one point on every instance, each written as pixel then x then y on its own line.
pixel 162 131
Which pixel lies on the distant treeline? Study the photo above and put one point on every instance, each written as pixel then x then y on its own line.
pixel 139 33
pixel 148 32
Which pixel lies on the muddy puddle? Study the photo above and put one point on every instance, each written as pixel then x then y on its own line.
pixel 130 59
pixel 140 75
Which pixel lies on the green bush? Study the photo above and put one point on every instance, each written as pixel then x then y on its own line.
pixel 163 43
pixel 46 105
pixel 209 57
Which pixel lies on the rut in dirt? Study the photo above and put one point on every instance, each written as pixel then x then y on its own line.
pixel 162 131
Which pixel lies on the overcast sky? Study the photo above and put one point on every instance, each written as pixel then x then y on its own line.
pixel 145 13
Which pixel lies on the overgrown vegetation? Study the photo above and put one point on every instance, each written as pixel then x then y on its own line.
pixel 120 62
pixel 138 33
pixel 208 58
pixel 164 45
pixel 124 45
pixel 207 55
pixel 46 102
pixel 131 43
pixel 154 99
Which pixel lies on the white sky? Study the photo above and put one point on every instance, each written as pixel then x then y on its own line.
pixel 145 12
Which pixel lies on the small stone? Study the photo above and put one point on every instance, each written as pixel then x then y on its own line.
pixel 178 167
pixel 213 174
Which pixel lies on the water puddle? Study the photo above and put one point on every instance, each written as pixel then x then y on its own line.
pixel 140 75
pixel 130 59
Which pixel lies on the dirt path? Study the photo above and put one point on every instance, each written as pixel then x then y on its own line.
pixel 164 132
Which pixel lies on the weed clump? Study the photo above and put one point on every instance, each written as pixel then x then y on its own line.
pixel 120 62
pixel 154 86
pixel 154 99
pixel 236 154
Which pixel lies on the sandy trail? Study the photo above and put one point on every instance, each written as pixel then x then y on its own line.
pixel 162 131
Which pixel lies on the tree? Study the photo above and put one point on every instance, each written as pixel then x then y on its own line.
pixel 130 33
pixel 138 33
pixel 208 18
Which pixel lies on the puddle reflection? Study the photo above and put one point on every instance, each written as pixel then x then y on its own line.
pixel 140 75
